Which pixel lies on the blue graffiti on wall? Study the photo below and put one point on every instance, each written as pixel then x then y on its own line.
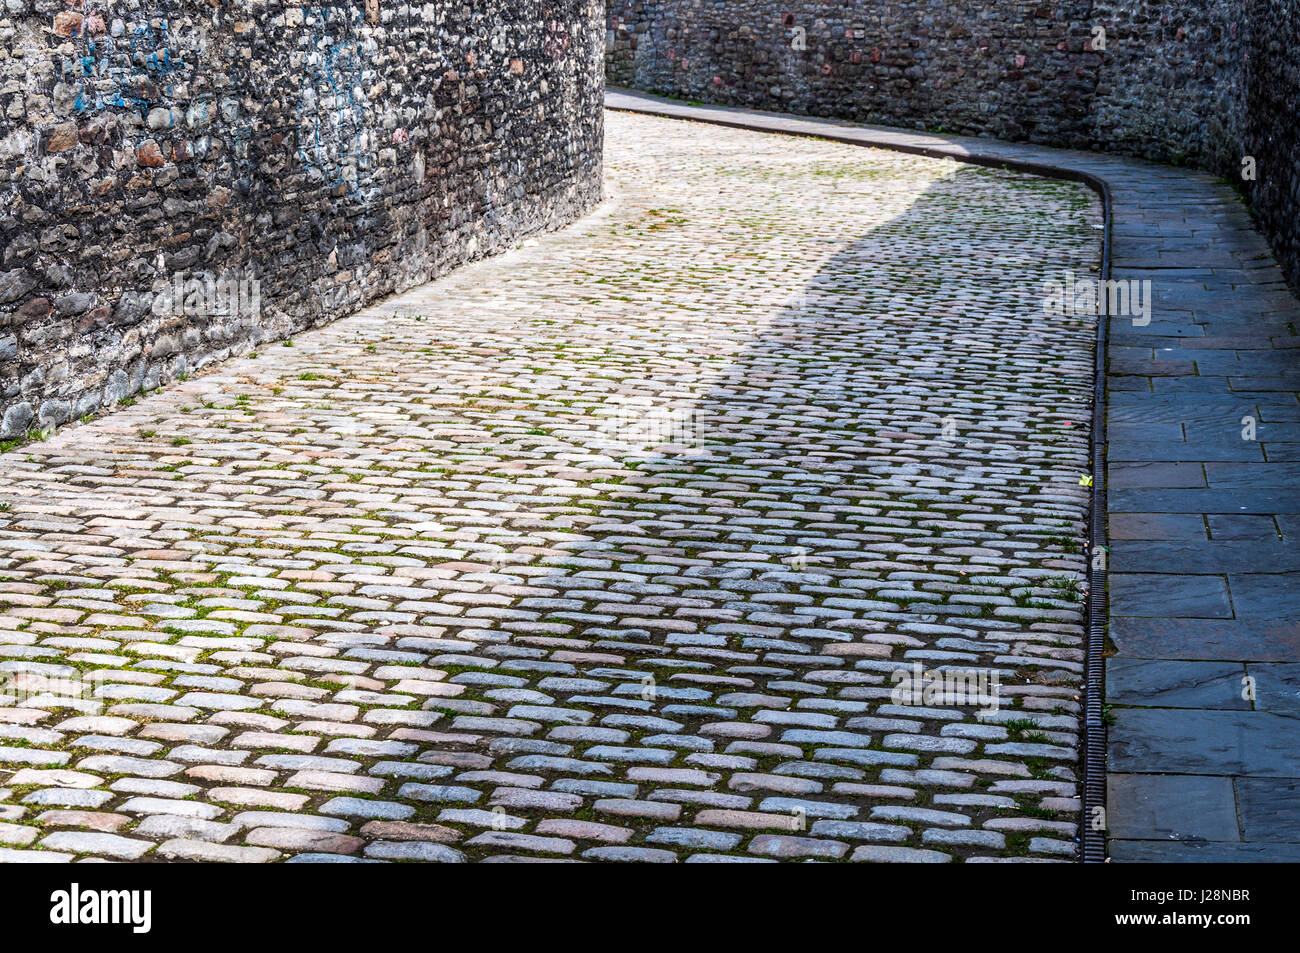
pixel 331 103
pixel 136 68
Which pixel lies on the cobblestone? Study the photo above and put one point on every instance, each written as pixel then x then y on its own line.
pixel 610 548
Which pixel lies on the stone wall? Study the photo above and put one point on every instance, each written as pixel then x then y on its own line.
pixel 1270 126
pixel 1206 82
pixel 320 155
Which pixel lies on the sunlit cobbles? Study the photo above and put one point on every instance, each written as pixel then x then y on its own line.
pixel 205 852
pixel 433 584
pixel 106 845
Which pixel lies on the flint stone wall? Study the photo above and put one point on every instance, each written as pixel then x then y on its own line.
pixel 334 152
pixel 1204 82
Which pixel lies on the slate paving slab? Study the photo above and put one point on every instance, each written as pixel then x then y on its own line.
pixel 1168 594
pixel 1276 686
pixel 1207 639
pixel 1270 809
pixel 1176 684
pixel 1134 851
pixel 1165 807
pixel 1200 741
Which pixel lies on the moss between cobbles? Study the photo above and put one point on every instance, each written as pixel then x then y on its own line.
pixel 1017 845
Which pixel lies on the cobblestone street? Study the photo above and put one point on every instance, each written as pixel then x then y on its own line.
pixel 613 547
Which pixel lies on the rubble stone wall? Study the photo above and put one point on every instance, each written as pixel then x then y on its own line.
pixel 156 154
pixel 1203 82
